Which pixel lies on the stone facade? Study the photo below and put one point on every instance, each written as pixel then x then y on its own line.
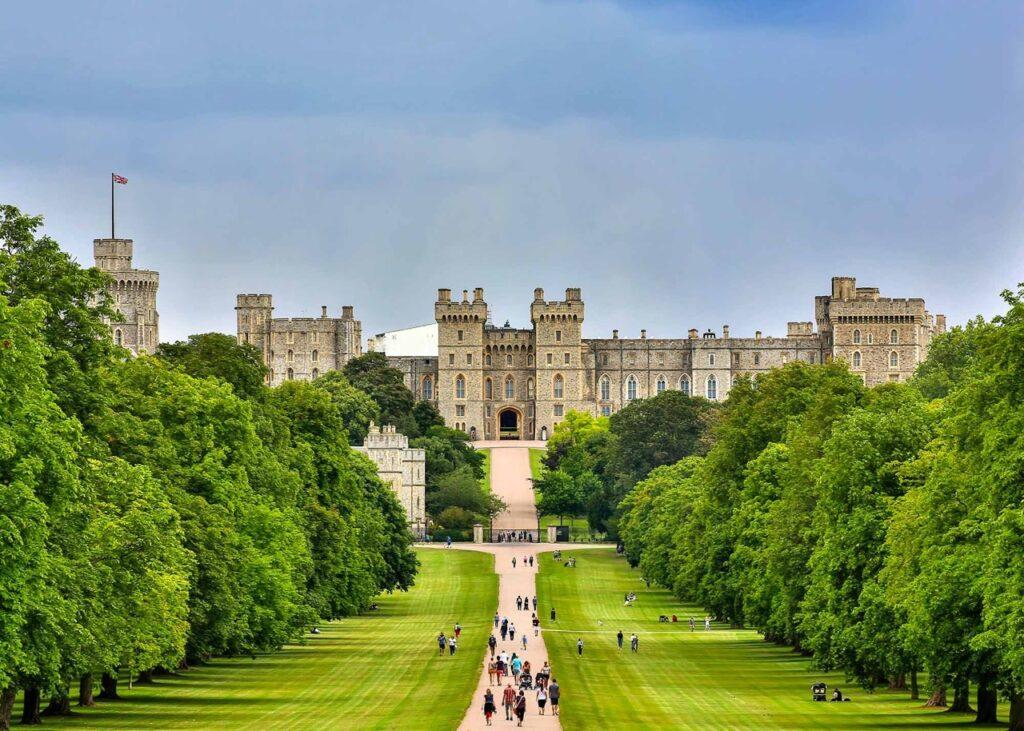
pixel 133 294
pixel 494 382
pixel 297 348
pixel 402 468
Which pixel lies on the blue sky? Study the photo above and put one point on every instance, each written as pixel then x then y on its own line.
pixel 687 164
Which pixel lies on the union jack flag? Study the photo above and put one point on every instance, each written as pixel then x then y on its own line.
pixel 119 179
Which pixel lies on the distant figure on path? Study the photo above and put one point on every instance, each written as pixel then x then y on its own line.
pixel 492 671
pixel 442 642
pixel 524 643
pixel 508 698
pixel 554 693
pixel 520 707
pixel 488 706
pixel 504 629
pixel 513 562
pixel 536 625
pixel 497 620
pixel 535 602
pixel 542 698
pixel 448 542
pixel 618 638
pixel 579 647
pixel 512 631
pixel 531 561
pixel 634 643
pixel 492 643
pixel 519 603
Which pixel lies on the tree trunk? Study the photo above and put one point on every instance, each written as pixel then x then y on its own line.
pixel 986 701
pixel 937 699
pixel 108 688
pixel 1016 712
pixel 145 677
pixel 60 704
pixel 915 692
pixel 961 697
pixel 898 682
pixel 30 707
pixel 85 691
pixel 7 696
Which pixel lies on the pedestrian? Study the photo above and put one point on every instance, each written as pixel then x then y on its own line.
pixel 512 632
pixel 536 625
pixel 492 671
pixel 501 669
pixel 451 645
pixel 513 562
pixel 442 642
pixel 458 630
pixel 497 620
pixel 707 623
pixel 504 631
pixel 524 643
pixel 579 647
pixel 634 643
pixel 552 614
pixel 693 624
pixel 508 697
pixel 542 698
pixel 517 667
pixel 554 693
pixel 535 602
pixel 618 638
pixel 519 603
pixel 492 643
pixel 520 707
pixel 488 706
pixel 531 561
pixel 448 543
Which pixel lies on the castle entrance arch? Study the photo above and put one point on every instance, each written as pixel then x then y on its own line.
pixel 510 424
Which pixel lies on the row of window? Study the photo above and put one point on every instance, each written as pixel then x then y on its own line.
pixel 290 374
pixel 314 336
pixel 290 356
pixel 894 337
pixel 894 359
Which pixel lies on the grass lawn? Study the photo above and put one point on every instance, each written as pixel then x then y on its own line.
pixel 536 466
pixel 486 481
pixel 723 679
pixel 380 670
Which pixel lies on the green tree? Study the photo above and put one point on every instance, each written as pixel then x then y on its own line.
pixel 214 355
pixel 559 494
pixel 355 408
pixel 372 375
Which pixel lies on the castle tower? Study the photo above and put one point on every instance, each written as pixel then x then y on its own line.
pixel 254 313
pixel 558 332
pixel 460 362
pixel 132 293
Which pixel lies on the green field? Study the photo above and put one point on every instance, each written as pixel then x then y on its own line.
pixel 536 466
pixel 723 679
pixel 380 670
pixel 486 481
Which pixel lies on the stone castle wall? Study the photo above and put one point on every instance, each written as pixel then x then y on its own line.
pixel 403 468
pixel 133 295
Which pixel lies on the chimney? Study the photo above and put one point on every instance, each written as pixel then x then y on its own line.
pixel 371 345
pixel 444 295
pixel 692 333
pixel 346 312
pixel 757 335
pixel 940 324
pixel 538 295
pixel 465 296
pixel 725 331
pixel 478 295
pixel 323 311
pixel 643 334
pixel 572 294
pixel 615 334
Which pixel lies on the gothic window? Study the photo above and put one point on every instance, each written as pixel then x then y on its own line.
pixel 558 336
pixel 460 387
pixel 684 385
pixel 711 359
pixel 315 336
pixel 894 359
pixel 316 373
pixel 488 359
pixel 460 410
pixel 856 359
pixel 606 389
pixel 508 359
pixel 559 387
pixel 529 388
pixel 291 356
pixel 660 385
pixel 894 337
pixel 757 359
pixel 428 388
pixel 529 360
pixel 291 374
pixel 118 337
pixel 316 356
pixel 856 337
pixel 871 338
pixel 510 388
pixel 488 389
pixel 631 388
pixel 712 388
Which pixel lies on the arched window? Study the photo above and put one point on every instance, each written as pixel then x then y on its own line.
pixel 711 359
pixel 316 356
pixel 291 356
pixel 894 337
pixel 606 389
pixel 757 359
pixel 529 360
pixel 631 388
pixel 559 387
pixel 684 385
pixel 508 359
pixel 856 337
pixel 488 359
pixel 529 388
pixel 428 388
pixel 856 359
pixel 660 384
pixel 316 373
pixel 118 337
pixel 510 388
pixel 894 359
pixel 488 389
pixel 291 374
pixel 460 387
pixel 712 388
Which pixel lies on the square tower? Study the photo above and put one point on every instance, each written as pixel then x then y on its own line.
pixel 558 332
pixel 460 359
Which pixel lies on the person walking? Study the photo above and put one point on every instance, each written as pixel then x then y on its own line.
pixel 554 693
pixel 618 638
pixel 451 646
pixel 497 620
pixel 531 562
pixel 493 644
pixel 634 643
pixel 448 543
pixel 520 707
pixel 517 667
pixel 488 706
pixel 504 630
pixel 542 698
pixel 512 631
pixel 442 643
pixel 524 643
pixel 707 623
pixel 492 671
pixel 519 603
pixel 693 624
pixel 535 602
pixel 579 647
pixel 508 697
pixel 536 625
pixel 552 614
pixel 458 630
pixel 513 562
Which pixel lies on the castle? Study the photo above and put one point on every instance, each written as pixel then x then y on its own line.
pixel 132 293
pixel 402 468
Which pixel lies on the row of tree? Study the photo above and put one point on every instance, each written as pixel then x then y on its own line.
pixel 879 530
pixel 160 510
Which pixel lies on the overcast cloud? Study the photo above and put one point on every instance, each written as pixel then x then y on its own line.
pixel 687 164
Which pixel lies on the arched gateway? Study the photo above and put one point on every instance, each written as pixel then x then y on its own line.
pixel 510 424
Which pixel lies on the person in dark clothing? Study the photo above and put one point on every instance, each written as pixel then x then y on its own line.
pixel 554 693
pixel 552 614
pixel 488 706
pixel 618 638
pixel 442 643
pixel 520 708
pixel 492 643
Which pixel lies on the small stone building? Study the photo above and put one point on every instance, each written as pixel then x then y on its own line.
pixel 133 294
pixel 402 467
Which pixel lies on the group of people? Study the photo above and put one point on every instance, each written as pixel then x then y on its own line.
pixel 523 602
pixel 527 561
pixel 707 624
pixel 449 642
pixel 634 641
pixel 507 629
pixel 630 598
pixel 515 536
pixel 513 697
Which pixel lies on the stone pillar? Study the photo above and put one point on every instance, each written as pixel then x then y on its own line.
pixel 478 533
pixel 552 533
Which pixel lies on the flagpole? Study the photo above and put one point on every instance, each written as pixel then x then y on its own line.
pixel 112 205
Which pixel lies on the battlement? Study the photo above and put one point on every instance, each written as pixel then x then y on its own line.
pixel 571 308
pixel 113 255
pixel 447 311
pixel 253 300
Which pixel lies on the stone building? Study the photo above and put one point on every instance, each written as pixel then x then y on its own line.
pixel 402 468
pixel 501 382
pixel 133 294
pixel 297 348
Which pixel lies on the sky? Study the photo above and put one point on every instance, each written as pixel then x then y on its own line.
pixel 686 163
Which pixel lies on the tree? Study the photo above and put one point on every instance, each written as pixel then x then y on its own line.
pixel 371 374
pixel 355 408
pixel 559 494
pixel 214 355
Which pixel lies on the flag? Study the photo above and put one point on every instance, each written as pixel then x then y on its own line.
pixel 118 179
